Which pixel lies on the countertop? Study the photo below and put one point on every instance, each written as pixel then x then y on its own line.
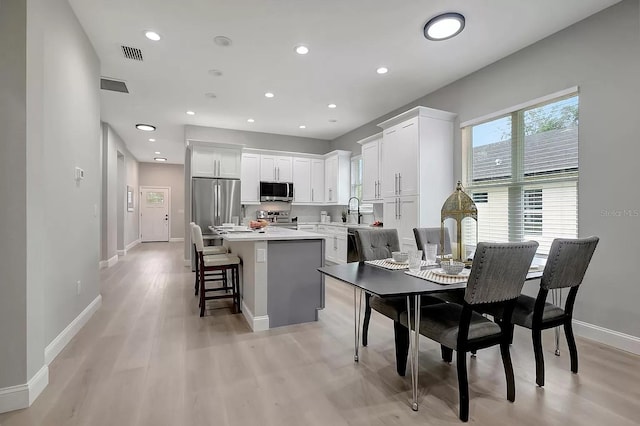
pixel 271 234
pixel 341 224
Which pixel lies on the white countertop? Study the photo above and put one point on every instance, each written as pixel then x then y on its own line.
pixel 340 224
pixel 271 234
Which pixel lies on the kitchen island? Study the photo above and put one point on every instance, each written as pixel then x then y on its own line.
pixel 279 283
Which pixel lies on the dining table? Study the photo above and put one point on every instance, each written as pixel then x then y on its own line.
pixel 375 278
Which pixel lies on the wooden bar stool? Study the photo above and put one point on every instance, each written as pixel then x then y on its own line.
pixel 207 251
pixel 222 263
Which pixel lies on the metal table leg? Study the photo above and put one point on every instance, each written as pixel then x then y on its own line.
pixel 556 299
pixel 357 314
pixel 414 346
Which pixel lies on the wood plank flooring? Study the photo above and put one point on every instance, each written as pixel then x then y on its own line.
pixel 147 358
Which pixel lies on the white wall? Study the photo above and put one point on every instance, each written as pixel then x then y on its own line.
pixel 601 55
pixel 171 175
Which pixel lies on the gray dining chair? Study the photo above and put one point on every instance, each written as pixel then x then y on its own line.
pixel 496 278
pixel 379 244
pixel 566 266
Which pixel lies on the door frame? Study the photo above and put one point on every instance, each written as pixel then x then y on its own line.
pixel 140 189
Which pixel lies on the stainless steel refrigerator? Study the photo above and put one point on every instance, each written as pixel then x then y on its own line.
pixel 214 202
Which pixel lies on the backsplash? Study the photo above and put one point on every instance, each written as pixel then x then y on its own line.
pixel 307 213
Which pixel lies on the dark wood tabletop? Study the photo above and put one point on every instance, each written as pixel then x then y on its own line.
pixel 384 282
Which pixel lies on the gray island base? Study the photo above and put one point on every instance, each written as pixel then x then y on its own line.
pixel 280 282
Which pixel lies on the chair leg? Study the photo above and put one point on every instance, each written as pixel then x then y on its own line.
pixel 202 293
pixel 508 370
pixel 447 354
pixel 536 335
pixel 367 317
pixel 197 284
pixel 571 342
pixel 463 385
pixel 401 334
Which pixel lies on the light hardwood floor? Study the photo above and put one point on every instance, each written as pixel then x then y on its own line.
pixel 147 358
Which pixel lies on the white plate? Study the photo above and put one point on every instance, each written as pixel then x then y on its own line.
pixel 390 260
pixel 442 273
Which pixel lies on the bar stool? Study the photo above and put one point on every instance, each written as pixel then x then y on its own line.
pixel 219 262
pixel 207 251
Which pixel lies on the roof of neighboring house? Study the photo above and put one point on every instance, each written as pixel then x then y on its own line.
pixel 545 152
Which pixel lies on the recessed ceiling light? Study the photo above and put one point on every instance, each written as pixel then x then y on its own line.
pixel 210 95
pixel 145 127
pixel 332 105
pixel 302 49
pixel 191 113
pixel 161 159
pixel 302 126
pixel 382 70
pixel 222 41
pixel 269 95
pixel 251 120
pixel 444 26
pixel 152 140
pixel 157 152
pixel 152 35
pixel 215 73
pixel 333 120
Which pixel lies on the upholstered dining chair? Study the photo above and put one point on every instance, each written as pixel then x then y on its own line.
pixel 379 244
pixel 207 251
pixel 497 275
pixel 566 266
pixel 218 262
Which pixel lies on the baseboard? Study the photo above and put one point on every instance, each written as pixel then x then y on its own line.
pixel 260 323
pixel 122 252
pixel 187 263
pixel 109 262
pixel 176 240
pixel 625 342
pixel 22 396
pixel 58 344
pixel 132 245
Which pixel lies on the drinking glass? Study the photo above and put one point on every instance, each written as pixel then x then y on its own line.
pixel 430 251
pixel 415 260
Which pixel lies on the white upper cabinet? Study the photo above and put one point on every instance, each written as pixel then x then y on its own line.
pixel 250 179
pixel 276 168
pixel 401 162
pixel 216 162
pixel 337 170
pixel 301 180
pixel 372 169
pixel 317 180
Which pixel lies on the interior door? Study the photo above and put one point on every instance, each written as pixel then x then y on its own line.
pixel 154 214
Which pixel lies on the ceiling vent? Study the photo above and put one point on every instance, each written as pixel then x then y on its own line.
pixel 113 85
pixel 132 53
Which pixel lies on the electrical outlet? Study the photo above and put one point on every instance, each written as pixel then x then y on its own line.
pixel 78 287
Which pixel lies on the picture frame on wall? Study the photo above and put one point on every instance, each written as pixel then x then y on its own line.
pixel 129 198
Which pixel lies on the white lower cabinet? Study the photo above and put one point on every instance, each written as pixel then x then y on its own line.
pixel 308 228
pixel 335 243
pixel 402 213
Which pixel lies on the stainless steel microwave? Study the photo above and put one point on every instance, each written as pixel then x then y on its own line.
pixel 276 191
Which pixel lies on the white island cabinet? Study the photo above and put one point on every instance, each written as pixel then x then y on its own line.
pixel 280 283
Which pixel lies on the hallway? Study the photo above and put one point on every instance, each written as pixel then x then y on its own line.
pixel 147 358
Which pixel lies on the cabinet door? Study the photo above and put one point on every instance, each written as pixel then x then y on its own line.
pixel 301 180
pixel 390 213
pixel 331 178
pixel 408 215
pixel 407 160
pixel 341 249
pixel 250 179
pixel 370 170
pixel 284 169
pixel 317 181
pixel 268 168
pixel 202 162
pixel 390 146
pixel 229 163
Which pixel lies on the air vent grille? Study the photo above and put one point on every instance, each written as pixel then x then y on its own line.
pixel 113 85
pixel 132 53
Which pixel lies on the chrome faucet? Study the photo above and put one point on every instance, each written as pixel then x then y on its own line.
pixel 349 209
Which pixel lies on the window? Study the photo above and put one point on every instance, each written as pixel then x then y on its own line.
pixel 356 177
pixel 521 169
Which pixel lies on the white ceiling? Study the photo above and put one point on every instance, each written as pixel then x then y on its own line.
pixel 348 40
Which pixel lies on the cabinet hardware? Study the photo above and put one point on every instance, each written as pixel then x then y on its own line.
pixel 399 183
pixel 312 197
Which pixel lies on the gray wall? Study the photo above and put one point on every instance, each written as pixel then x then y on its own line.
pixel 13 165
pixel 257 140
pixel 171 175
pixel 113 220
pixel 601 55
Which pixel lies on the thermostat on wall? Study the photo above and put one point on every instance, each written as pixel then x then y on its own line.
pixel 79 173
